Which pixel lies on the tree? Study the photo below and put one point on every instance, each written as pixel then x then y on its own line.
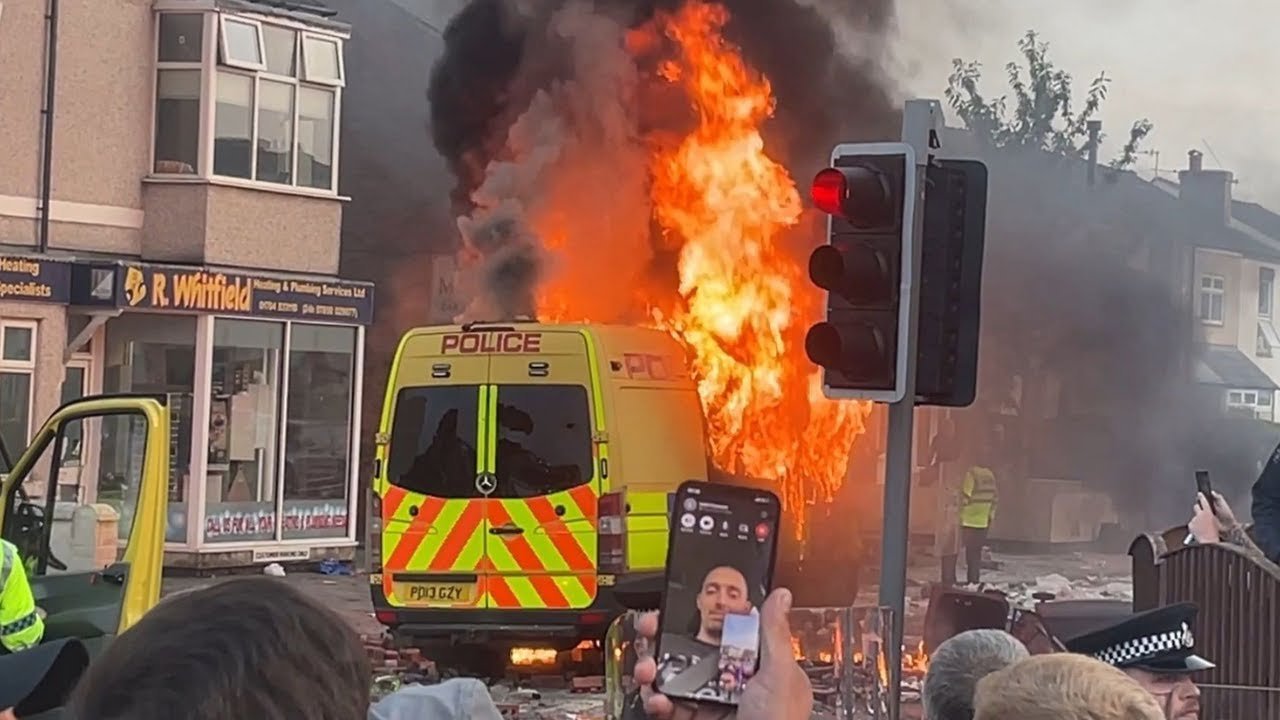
pixel 1043 116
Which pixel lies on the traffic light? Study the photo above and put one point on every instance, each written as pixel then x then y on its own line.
pixel 869 194
pixel 955 215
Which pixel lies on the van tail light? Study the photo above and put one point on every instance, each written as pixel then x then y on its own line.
pixel 387 617
pixel 373 546
pixel 612 534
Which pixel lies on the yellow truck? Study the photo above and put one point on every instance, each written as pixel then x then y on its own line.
pixel 86 588
pixel 522 479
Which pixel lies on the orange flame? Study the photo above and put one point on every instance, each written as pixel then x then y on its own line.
pixel 743 305
pixel 525 656
pixel 744 308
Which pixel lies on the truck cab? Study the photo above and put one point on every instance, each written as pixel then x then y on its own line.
pixel 94 570
pixel 522 478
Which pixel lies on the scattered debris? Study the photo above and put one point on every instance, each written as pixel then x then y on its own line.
pixel 274 570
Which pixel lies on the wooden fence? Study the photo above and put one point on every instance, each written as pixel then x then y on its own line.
pixel 1238 628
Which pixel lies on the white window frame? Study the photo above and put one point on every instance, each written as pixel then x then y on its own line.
pixel 305 73
pixel 224 57
pixel 1217 287
pixel 155 91
pixel 1266 294
pixel 27 367
pixel 214 60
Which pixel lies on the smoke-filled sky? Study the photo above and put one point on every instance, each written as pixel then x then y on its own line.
pixel 1201 72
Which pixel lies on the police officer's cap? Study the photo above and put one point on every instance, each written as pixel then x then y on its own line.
pixel 1158 641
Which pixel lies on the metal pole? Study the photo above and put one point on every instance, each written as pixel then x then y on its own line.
pixel 918 125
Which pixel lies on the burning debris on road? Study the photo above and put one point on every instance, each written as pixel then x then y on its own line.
pixel 635 140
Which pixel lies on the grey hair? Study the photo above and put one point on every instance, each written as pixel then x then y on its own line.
pixel 958 664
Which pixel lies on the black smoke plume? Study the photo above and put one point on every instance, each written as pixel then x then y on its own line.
pixel 537 107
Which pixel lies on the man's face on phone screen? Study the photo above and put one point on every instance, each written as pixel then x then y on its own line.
pixel 724 590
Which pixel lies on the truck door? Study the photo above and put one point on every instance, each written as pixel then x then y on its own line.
pixel 89 583
pixel 542 510
pixel 432 506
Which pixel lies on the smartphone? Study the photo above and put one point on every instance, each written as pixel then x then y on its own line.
pixel 1204 487
pixel 720 559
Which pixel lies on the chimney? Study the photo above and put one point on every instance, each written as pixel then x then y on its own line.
pixel 1207 191
pixel 1095 129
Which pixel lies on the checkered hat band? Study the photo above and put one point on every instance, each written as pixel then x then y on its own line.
pixel 1147 647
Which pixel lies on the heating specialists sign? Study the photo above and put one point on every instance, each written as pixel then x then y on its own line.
pixel 222 292
pixel 27 279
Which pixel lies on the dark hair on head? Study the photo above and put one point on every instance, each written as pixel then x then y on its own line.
pixel 245 648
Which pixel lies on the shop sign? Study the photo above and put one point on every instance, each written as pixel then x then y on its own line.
pixel 314 519
pixel 197 289
pixel 247 521
pixel 446 302
pixel 28 279
pixel 239 521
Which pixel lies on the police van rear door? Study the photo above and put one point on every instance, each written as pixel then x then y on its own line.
pixel 543 456
pixel 432 473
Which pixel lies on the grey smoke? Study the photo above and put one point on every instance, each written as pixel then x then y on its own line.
pixel 573 164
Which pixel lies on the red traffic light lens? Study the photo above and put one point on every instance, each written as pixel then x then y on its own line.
pixel 829 191
pixel 858 194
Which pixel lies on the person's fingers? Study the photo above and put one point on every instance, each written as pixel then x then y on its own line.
pixel 647 624
pixel 775 631
pixel 659 706
pixel 646 671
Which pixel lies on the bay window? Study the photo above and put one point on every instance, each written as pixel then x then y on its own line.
pixel 275 87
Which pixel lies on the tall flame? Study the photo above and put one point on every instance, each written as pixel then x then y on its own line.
pixel 745 306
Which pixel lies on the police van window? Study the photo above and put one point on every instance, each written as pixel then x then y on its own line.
pixel 544 440
pixel 433 441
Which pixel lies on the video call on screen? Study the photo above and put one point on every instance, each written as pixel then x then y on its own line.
pixel 720 556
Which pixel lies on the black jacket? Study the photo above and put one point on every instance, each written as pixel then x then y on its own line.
pixel 1266 508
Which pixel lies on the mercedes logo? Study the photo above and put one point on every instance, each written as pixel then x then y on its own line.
pixel 486 483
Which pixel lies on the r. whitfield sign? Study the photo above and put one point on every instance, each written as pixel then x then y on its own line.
pixel 228 293
pixel 28 279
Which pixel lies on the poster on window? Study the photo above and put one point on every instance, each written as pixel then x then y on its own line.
pixel 239 522
pixel 314 519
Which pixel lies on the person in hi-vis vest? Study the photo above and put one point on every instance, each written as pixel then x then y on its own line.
pixel 977 509
pixel 21 625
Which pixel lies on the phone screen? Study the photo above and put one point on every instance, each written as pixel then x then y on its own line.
pixel 719 569
pixel 1204 487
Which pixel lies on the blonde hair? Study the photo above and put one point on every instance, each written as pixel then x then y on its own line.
pixel 1063 686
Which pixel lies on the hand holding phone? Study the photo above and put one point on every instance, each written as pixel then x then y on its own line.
pixel 1204 487
pixel 719 570
pixel 779 690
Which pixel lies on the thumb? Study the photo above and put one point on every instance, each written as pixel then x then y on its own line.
pixel 775 632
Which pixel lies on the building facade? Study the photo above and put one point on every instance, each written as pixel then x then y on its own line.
pixel 1235 291
pixel 169 224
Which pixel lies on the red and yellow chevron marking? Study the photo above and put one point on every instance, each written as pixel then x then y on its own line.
pixel 445 535
pixel 552 564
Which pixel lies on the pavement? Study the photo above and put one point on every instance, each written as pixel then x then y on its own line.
pixel 1067 575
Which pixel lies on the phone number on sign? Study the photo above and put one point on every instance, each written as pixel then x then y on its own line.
pixel 281 306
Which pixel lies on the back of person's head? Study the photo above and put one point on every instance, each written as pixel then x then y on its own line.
pixel 958 664
pixel 246 648
pixel 1063 686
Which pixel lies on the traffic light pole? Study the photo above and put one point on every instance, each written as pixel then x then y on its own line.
pixel 920 121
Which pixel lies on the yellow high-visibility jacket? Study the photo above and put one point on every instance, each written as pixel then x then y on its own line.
pixel 977 498
pixel 20 623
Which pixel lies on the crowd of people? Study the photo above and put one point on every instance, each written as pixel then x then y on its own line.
pixel 258 648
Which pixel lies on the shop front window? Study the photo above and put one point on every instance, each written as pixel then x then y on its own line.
pixel 317 458
pixel 152 354
pixel 244 422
